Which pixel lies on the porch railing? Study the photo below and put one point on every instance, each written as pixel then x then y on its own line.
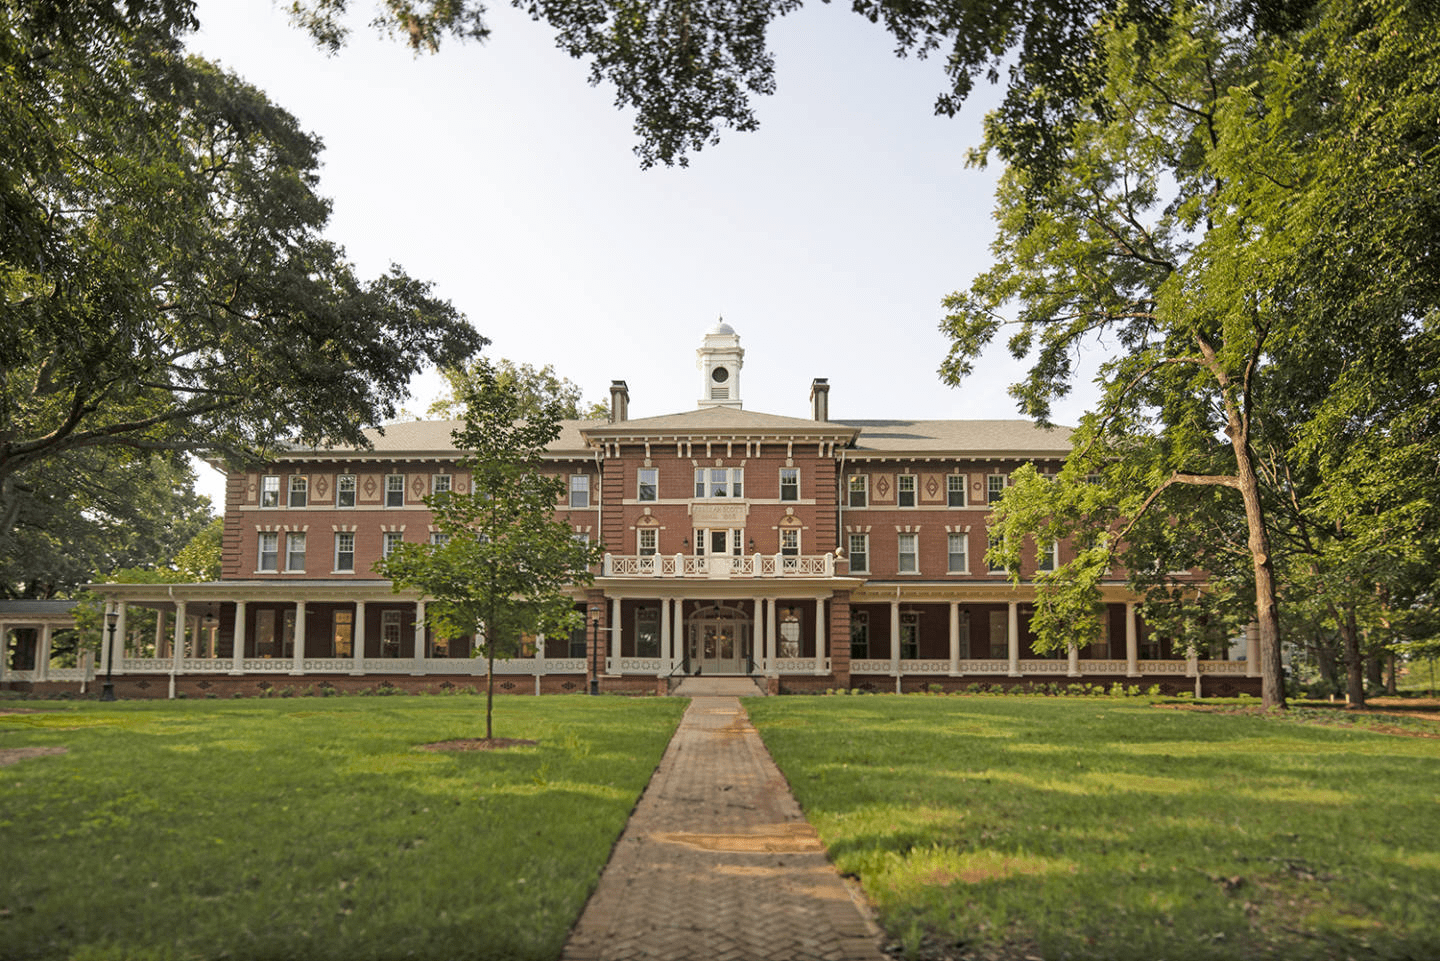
pixel 719 565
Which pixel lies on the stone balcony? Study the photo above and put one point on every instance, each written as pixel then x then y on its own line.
pixel 719 566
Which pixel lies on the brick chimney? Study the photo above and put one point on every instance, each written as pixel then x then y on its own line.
pixel 619 401
pixel 820 398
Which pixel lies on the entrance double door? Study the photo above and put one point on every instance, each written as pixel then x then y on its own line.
pixel 719 641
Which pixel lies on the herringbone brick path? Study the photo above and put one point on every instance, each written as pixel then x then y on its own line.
pixel 717 863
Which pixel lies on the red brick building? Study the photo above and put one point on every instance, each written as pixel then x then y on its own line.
pixel 807 553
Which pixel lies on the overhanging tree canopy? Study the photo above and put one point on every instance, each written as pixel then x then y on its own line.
pixel 164 281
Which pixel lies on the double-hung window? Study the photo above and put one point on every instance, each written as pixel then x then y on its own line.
pixel 909 636
pixel 395 490
pixel 1049 557
pixel 345 490
pixel 345 551
pixel 859 490
pixel 299 490
pixel 295 552
pixel 905 490
pixel 647 541
pixel 716 482
pixel 390 628
pixel 579 490
pixel 647 632
pixel 270 490
pixel 790 547
pixel 789 483
pixel 269 554
pixel 955 490
pixel 859 635
pixel 909 561
pixel 994 488
pixel 958 550
pixel 393 539
pixel 859 553
pixel 647 484
pixel 440 483
pixel 439 538
pixel 995 567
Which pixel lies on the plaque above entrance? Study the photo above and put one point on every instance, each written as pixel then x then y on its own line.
pixel 718 515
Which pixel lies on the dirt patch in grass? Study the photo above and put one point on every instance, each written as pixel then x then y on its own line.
pixel 478 744
pixel 11 755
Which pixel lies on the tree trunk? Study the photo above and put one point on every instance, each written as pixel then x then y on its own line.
pixel 489 686
pixel 1374 671
pixel 1325 660
pixel 1354 661
pixel 1267 613
pixel 1390 686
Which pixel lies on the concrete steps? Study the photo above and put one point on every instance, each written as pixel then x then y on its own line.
pixel 717 687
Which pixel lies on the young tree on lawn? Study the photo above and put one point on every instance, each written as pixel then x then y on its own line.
pixel 504 562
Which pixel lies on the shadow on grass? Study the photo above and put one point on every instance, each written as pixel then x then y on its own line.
pixel 1087 828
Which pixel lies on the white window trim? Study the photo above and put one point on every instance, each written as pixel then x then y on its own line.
pixel 796 498
pixel 387 539
pixel 964 492
pixel 914 491
pixel 289 536
pixel 435 479
pixel 579 484
pixel 398 487
pixel 640 484
pixel 260 552
pixel 264 483
pixel 335 559
pixel 900 553
pixel 340 489
pixel 864 492
pixel 705 482
pixel 848 541
pixel 965 554
pixel 641 534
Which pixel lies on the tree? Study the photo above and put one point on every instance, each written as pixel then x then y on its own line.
pixel 538 388
pixel 505 562
pixel 164 282
pixel 93 511
pixel 1210 216
pixel 689 69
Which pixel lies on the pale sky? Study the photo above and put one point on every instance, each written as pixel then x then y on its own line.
pixel 827 238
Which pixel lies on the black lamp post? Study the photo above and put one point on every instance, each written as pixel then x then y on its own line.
pixel 107 693
pixel 594 655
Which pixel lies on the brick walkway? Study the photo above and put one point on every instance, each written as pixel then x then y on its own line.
pixel 718 863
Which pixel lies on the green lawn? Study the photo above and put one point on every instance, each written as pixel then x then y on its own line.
pixel 313 828
pixel 1092 828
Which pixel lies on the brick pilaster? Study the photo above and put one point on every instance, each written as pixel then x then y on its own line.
pixel 840 638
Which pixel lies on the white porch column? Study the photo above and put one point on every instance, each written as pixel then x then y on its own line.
pixel 1252 649
pixel 297 664
pixel 418 667
pixel 122 633
pixel 357 640
pixel 237 644
pixel 954 637
pixel 667 646
pixel 177 643
pixel 615 635
pixel 1132 642
pixel 820 634
pixel 762 650
pixel 895 643
pixel 772 636
pixel 42 655
pixel 677 633
pixel 1013 638
pixel 1074 669
pixel 106 638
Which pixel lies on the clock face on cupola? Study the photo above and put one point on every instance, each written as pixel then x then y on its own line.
pixel 720 359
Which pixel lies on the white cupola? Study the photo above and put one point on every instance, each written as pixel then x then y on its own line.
pixel 719 361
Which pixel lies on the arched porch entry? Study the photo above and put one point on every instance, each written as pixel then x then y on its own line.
pixel 719 641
